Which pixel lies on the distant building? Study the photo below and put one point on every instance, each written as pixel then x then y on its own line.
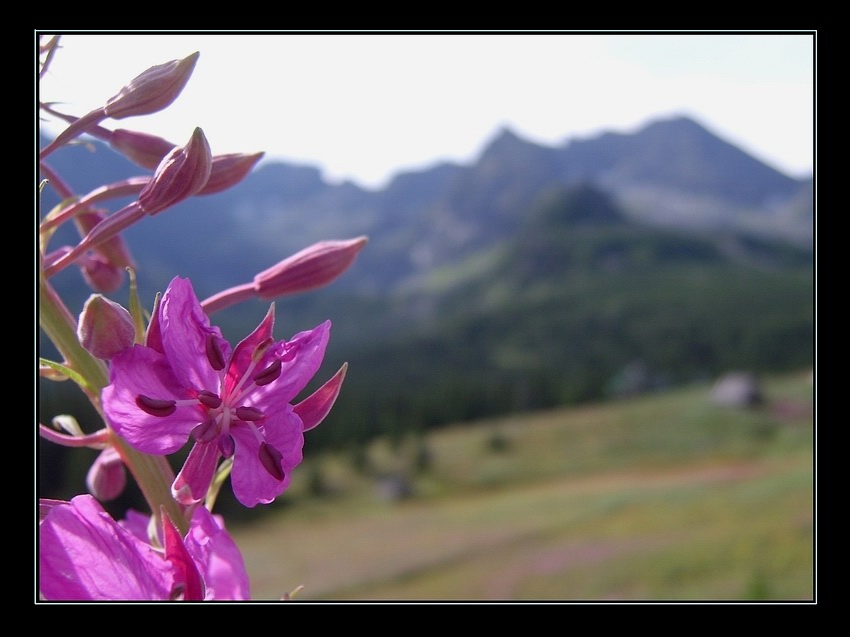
pixel 737 389
pixel 394 487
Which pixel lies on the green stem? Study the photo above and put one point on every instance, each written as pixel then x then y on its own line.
pixel 154 476
pixel 152 473
pixel 58 323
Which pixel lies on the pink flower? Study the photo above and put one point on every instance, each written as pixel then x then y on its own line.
pixel 187 382
pixel 85 555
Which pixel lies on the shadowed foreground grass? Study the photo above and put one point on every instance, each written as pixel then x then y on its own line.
pixel 662 497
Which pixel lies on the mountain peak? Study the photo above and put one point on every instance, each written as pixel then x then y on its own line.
pixel 676 122
pixel 505 139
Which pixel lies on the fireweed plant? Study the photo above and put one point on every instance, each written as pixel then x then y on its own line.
pixel 165 378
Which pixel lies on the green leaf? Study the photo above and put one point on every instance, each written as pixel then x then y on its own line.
pixel 136 310
pixel 67 372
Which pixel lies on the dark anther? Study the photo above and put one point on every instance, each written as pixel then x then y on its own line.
pixel 214 354
pixel 269 374
pixel 155 406
pixel 205 431
pixel 209 399
pixel 270 457
pixel 249 413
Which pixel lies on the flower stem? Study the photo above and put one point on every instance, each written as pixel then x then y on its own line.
pixel 152 473
pixel 61 327
pixel 154 476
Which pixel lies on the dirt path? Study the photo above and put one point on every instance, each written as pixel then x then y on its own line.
pixel 342 554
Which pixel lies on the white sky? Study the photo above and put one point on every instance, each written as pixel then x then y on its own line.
pixel 364 107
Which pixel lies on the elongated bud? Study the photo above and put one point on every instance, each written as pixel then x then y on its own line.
pixel 123 188
pixel 105 328
pixel 308 269
pixel 145 150
pixel 153 90
pixel 228 170
pixel 99 274
pixel 148 93
pixel 108 228
pixel 180 175
pixel 311 268
pixel 79 126
pixel 149 150
pixel 113 249
pixel 104 268
pixel 107 477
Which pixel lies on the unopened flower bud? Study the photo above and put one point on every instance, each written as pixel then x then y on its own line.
pixel 143 149
pixel 181 174
pixel 100 274
pixel 124 188
pixel 105 328
pixel 311 268
pixel 105 230
pixel 103 268
pixel 153 90
pixel 308 269
pixel 107 477
pixel 113 249
pixel 228 170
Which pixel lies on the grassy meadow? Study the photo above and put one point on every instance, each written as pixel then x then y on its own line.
pixel 662 497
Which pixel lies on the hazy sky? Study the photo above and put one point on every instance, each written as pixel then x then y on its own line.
pixel 364 107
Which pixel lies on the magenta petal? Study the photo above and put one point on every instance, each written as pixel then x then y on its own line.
pixel 85 555
pixel 216 553
pixel 302 356
pixel 194 479
pixel 244 351
pixel 184 328
pixel 252 483
pixel 186 573
pixel 313 409
pixel 137 524
pixel 142 371
pixel 45 505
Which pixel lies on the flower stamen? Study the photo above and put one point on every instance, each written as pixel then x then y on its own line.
pixel 269 374
pixel 271 458
pixel 214 354
pixel 209 399
pixel 249 413
pixel 156 406
pixel 226 445
pixel 205 431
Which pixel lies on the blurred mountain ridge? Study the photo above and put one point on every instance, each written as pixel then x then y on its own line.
pixel 673 173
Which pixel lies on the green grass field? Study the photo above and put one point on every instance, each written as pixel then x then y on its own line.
pixel 664 497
